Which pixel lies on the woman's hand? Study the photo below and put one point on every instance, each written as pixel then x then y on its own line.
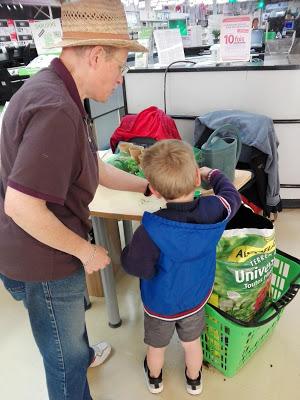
pixel 95 258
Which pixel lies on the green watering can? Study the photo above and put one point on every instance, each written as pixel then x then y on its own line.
pixel 222 151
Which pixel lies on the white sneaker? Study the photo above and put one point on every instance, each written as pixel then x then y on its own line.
pixel 102 351
pixel 155 385
pixel 194 386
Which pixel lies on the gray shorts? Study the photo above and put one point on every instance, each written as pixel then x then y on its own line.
pixel 158 332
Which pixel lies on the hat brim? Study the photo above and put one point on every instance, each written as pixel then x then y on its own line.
pixel 131 45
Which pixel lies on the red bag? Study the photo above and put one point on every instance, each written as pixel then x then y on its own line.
pixel 151 122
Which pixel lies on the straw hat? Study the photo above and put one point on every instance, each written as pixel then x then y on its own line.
pixel 96 22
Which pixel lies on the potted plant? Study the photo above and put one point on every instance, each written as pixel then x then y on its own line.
pixel 216 35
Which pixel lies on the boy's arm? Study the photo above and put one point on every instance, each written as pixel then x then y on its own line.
pixel 223 189
pixel 140 256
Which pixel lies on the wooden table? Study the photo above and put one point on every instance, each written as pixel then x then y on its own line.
pixel 117 205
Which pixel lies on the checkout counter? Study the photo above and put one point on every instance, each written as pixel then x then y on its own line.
pixel 10 61
pixel 265 87
pixel 257 44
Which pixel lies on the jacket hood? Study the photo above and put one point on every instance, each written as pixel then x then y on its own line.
pixel 182 242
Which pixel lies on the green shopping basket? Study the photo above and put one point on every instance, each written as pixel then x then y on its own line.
pixel 229 343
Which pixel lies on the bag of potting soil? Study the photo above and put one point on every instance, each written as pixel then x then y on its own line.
pixel 245 258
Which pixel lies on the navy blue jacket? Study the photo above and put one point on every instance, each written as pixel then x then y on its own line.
pixel 174 251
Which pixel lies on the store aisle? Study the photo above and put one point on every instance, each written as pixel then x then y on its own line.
pixel 272 374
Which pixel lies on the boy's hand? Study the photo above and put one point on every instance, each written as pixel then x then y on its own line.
pixel 204 171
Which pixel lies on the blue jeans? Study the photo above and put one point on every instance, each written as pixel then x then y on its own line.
pixel 57 318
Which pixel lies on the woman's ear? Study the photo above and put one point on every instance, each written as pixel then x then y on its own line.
pixel 96 55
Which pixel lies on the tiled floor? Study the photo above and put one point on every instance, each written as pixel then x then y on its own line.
pixel 272 374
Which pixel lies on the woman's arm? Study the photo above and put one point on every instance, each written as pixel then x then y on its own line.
pixel 114 178
pixel 33 216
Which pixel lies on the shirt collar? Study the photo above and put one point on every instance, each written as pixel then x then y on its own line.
pixel 60 69
pixel 187 206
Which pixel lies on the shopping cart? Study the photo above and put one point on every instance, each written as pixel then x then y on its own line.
pixel 280 46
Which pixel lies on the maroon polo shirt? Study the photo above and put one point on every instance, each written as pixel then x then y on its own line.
pixel 48 152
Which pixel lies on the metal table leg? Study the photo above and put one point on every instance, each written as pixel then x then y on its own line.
pixel 87 301
pixel 128 232
pixel 108 280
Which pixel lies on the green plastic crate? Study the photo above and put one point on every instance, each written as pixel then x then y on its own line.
pixel 227 343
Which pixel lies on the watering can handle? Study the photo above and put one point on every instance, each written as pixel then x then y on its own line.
pixel 232 130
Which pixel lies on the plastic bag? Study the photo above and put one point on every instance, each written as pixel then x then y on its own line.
pixel 128 161
pixel 124 162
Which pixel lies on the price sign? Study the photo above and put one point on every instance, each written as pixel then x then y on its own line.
pixel 8 36
pixel 235 38
pixel 23 31
pixel 45 34
pixel 4 33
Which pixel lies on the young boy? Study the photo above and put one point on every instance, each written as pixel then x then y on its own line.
pixel 173 253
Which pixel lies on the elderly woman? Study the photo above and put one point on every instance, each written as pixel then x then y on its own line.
pixel 49 175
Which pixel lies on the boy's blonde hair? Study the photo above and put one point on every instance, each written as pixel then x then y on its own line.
pixel 170 168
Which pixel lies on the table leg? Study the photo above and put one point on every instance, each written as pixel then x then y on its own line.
pixel 107 276
pixel 87 301
pixel 128 232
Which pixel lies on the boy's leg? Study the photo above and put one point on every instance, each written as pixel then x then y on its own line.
pixel 153 374
pixel 189 330
pixel 155 360
pixel 158 334
pixel 57 317
pixel 193 357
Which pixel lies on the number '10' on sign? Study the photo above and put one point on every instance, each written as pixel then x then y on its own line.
pixel 230 39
